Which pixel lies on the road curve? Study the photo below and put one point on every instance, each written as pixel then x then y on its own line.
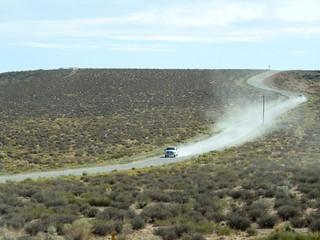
pixel 256 81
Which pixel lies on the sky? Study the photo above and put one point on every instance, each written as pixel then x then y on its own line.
pixel 162 34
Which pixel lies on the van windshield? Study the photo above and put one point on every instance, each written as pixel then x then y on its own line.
pixel 171 148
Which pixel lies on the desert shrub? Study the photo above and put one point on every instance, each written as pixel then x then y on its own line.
pixel 284 202
pixel 49 198
pixel 179 197
pixel 108 214
pixel 142 200
pixel 315 193
pixel 91 212
pixel 137 222
pixel 290 236
pixel 239 223
pixel 50 234
pixel 111 213
pixel 267 221
pixel 221 193
pixel 102 228
pixel 269 193
pixel 12 221
pixel 126 230
pixel 255 213
pixel 235 194
pixel 78 230
pixel 182 229
pixel 7 234
pixel 192 236
pixel 252 231
pixel 195 216
pixel 247 195
pixel 118 226
pixel 216 216
pixel 123 199
pixel 315 226
pixel 158 196
pixel 66 218
pixel 5 209
pixel 99 201
pixel 167 233
pixel 298 222
pixel 287 212
pixel 33 228
pixel 142 203
pixel 158 211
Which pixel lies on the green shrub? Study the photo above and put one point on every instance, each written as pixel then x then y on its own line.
pixel 7 234
pixel 252 231
pixel 315 226
pixel 51 234
pixel 267 221
pixel 99 202
pixel 290 236
pixel 167 233
pixel 78 230
pixel 108 214
pixel 298 222
pixel 195 216
pixel 192 236
pixel 255 213
pixel 65 218
pixel 158 196
pixel 33 228
pixel 102 228
pixel 287 212
pixel 137 222
pixel 156 212
pixel 239 223
pixel 91 212
pixel 182 229
pixel 111 213
pixel 11 220
pixel 235 194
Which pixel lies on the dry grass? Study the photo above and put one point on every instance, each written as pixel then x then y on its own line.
pixel 275 175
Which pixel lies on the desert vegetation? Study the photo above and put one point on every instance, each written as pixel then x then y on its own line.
pixel 51 119
pixel 264 189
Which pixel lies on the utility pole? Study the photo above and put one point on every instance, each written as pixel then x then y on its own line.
pixel 263 103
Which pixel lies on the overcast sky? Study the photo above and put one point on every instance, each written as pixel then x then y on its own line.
pixel 210 34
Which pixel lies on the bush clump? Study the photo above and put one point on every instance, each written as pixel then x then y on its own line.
pixel 167 233
pixel 315 226
pixel 137 223
pixel 102 228
pixel 78 230
pixel 239 223
pixel 287 212
pixel 267 221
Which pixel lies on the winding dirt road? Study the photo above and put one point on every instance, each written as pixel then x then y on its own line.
pixel 233 134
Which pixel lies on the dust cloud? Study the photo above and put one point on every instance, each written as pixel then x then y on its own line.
pixel 242 125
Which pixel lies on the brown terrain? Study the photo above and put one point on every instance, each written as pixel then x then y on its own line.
pixel 264 189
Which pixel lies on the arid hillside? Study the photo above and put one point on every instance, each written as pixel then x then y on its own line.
pixel 70 117
pixel 267 189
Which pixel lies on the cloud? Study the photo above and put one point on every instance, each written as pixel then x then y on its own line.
pixel 52 45
pixel 210 37
pixel 211 14
pixel 41 45
pixel 298 11
pixel 139 47
pixel 218 21
pixel 296 52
